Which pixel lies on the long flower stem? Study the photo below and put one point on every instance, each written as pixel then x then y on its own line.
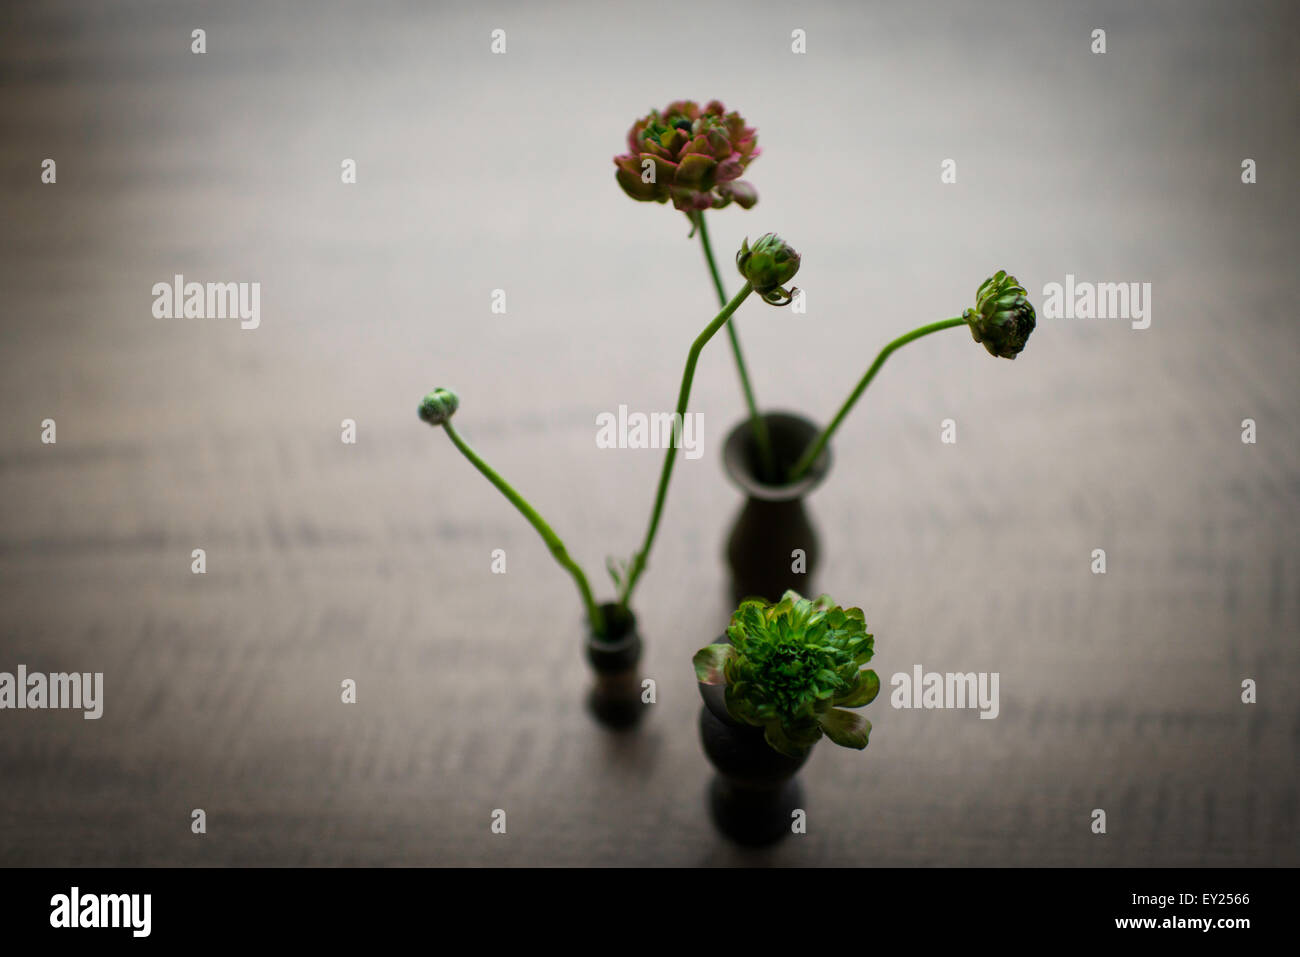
pixel 810 454
pixel 670 455
pixel 758 424
pixel 552 540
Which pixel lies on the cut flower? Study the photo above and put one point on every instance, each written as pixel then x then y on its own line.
pixel 689 155
pixel 792 667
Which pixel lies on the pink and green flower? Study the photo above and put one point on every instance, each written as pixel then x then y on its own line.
pixel 692 156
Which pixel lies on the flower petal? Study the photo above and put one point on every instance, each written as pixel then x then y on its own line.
pixel 696 171
pixel 730 168
pixel 845 728
pixel 629 177
pixel 863 692
pixel 742 192
pixel 709 663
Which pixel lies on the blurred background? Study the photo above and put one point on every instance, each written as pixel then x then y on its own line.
pixel 475 172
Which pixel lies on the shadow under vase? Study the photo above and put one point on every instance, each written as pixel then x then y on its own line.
pixel 753 796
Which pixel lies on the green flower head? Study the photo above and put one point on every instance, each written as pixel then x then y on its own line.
pixel 439 406
pixel 769 265
pixel 1003 317
pixel 791 668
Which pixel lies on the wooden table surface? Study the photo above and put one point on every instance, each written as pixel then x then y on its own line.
pixel 328 561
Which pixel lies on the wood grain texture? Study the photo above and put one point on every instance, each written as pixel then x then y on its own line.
pixel 372 562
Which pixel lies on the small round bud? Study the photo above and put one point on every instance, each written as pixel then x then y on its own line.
pixel 1003 316
pixel 439 406
pixel 768 266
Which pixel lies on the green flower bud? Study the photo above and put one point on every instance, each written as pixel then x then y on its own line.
pixel 769 265
pixel 1003 317
pixel 439 406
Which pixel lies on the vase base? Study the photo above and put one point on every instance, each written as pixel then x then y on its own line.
pixel 754 818
pixel 616 712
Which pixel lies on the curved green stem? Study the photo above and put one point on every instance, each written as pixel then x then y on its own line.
pixel 670 455
pixel 552 540
pixel 810 454
pixel 759 425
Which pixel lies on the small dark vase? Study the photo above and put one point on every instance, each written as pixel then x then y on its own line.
pixel 773 522
pixel 615 698
pixel 755 791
